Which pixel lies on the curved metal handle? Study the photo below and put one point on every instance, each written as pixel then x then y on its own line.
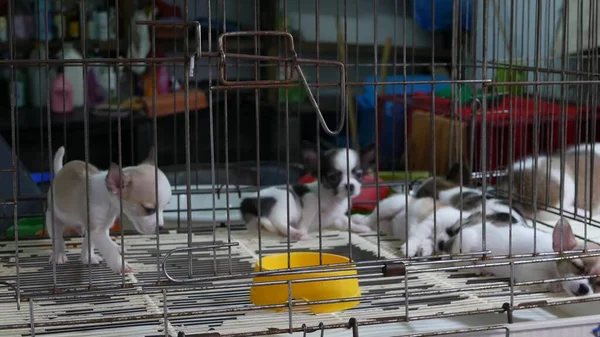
pixel 295 66
pixel 313 102
pixel 12 286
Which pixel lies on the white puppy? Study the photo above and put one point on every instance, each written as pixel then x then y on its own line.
pixel 498 242
pixel 341 172
pixel 67 203
pixel 431 210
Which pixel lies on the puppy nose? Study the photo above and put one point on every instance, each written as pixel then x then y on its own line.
pixel 160 227
pixel 350 187
pixel 583 289
pixel 441 245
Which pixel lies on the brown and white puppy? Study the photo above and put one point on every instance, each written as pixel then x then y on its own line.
pixel 421 217
pixel 67 205
pixel 581 181
pixel 501 242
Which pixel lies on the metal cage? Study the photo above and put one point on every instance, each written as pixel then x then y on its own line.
pixel 237 85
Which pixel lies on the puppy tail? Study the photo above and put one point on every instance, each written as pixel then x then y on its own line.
pixel 58 159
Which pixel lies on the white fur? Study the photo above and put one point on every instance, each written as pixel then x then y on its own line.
pixel 421 239
pixel 396 216
pixel 498 241
pixel 527 164
pixel 303 217
pixel 304 220
pixel 104 207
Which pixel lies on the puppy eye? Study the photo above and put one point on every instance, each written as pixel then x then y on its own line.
pixel 149 210
pixel 358 173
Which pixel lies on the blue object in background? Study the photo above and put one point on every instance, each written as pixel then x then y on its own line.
pixel 442 14
pixel 391 130
pixel 42 177
pixel 44 20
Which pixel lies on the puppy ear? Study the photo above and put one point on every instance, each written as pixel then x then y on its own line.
pixel 116 182
pixel 456 171
pixel 563 234
pixel 367 156
pixel 150 159
pixel 310 156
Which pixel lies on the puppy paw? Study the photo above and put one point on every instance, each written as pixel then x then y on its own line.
pixel 409 250
pixel 128 269
pixel 299 236
pixel 358 219
pixel 118 267
pixel 58 258
pixel 360 229
pixel 94 259
pixel 415 248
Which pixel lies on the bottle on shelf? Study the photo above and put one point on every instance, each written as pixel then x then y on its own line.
pixel 73 73
pixel 62 94
pixel 39 76
pixel 43 17
pixel 3 29
pixel 19 88
pixel 74 23
pixel 91 27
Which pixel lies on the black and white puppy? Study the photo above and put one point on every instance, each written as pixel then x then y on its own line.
pixel 340 173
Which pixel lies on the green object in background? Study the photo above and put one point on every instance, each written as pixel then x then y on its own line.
pixel 27 227
pixel 504 74
pixel 400 176
pixel 466 94
pixel 294 95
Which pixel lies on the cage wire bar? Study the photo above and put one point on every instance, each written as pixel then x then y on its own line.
pixel 194 280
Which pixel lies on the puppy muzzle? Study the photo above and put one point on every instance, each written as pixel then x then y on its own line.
pixel 145 227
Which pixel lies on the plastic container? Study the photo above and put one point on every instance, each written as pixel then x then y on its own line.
pixel 443 14
pixel 391 131
pixel 43 19
pixel 102 27
pixel 62 95
pixel 162 77
pixel 60 25
pixel 106 77
pixel 3 29
pixel 91 28
pixel 308 291
pixel 38 77
pixel 95 91
pixel 20 88
pixel 74 24
pixel 73 73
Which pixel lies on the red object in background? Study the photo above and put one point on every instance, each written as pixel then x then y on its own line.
pixel 116 228
pixel 516 110
pixel 166 10
pixel 367 199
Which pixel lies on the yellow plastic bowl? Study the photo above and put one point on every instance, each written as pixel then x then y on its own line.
pixel 307 291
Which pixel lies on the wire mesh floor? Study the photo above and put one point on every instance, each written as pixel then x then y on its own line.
pixel 219 310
